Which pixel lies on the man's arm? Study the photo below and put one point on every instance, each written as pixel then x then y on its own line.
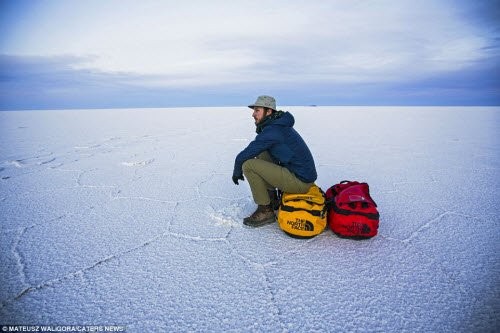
pixel 262 142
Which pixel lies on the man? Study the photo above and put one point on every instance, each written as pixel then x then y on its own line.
pixel 277 158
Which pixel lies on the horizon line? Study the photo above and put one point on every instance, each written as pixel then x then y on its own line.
pixel 244 106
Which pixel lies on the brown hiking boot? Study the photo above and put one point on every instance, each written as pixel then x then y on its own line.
pixel 262 216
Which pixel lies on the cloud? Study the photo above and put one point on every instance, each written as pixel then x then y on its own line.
pixel 229 42
pixel 59 83
pixel 163 51
pixel 380 42
pixel 28 82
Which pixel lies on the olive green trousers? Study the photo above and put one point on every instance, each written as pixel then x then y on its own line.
pixel 263 174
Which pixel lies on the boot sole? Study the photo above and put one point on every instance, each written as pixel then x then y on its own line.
pixel 259 224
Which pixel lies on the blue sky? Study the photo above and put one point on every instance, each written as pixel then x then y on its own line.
pixel 100 54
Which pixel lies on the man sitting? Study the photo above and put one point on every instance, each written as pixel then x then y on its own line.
pixel 278 158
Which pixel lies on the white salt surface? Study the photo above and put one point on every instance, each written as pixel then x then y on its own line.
pixel 130 217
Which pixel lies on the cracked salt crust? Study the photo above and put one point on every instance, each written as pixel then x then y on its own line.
pixel 138 163
pixel 164 235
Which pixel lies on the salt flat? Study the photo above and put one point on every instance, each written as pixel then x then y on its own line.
pixel 130 217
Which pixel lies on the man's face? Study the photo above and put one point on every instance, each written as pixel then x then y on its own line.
pixel 259 114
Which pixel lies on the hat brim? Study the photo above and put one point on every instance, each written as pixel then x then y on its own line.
pixel 262 106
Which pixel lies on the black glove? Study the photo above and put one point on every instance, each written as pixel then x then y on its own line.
pixel 235 179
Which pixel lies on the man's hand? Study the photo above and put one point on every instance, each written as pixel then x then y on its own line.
pixel 236 178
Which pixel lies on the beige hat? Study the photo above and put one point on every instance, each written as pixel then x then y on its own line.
pixel 264 101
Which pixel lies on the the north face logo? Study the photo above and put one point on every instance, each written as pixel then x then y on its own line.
pixel 301 224
pixel 358 228
pixel 308 226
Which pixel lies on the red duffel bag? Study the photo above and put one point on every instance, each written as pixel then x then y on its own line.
pixel 352 213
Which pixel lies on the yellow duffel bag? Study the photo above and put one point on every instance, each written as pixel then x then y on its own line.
pixel 303 215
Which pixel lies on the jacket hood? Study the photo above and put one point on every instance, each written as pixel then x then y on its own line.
pixel 279 118
pixel 286 120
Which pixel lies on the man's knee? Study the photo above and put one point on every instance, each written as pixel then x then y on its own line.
pixel 265 156
pixel 247 166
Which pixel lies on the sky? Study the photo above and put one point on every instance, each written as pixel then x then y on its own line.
pixel 123 53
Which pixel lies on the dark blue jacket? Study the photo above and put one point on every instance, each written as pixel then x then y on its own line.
pixel 285 145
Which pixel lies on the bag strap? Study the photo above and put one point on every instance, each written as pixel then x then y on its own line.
pixel 372 216
pixel 318 213
pixel 329 202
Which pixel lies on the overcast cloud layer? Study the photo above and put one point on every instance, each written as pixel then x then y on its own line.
pixel 162 53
